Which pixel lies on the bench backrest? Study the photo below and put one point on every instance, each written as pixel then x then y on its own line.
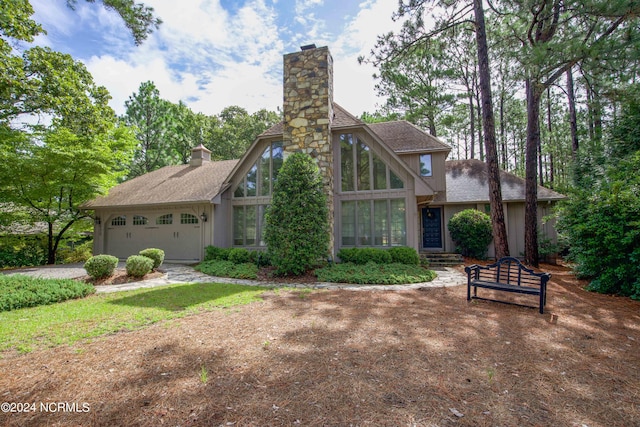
pixel 510 271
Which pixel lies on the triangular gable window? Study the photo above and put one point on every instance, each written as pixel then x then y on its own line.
pixel 362 170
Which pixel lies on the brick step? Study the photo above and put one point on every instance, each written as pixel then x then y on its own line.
pixel 441 259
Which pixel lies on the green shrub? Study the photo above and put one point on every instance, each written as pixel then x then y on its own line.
pixel 79 253
pixel 100 266
pixel 297 224
pixel 239 256
pixel 372 273
pixel 22 251
pixel 157 255
pixel 17 291
pixel 363 256
pixel 260 258
pixel 216 253
pixel 222 268
pixel 471 231
pixel 404 255
pixel 138 265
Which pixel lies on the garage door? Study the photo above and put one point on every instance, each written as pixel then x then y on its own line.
pixel 178 233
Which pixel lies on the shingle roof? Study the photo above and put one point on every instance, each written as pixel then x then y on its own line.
pixel 402 136
pixel 170 184
pixel 467 181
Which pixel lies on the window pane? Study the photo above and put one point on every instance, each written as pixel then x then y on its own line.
pixel 186 218
pixel 251 181
pixel 140 220
pixel 379 174
pixel 398 223
pixel 362 153
pixel 239 190
pixel 364 223
pixel 238 225
pixel 250 225
pixel 348 223
pixel 380 223
pixel 265 172
pixel 277 159
pixel 261 223
pixel 164 219
pixel 346 161
pixel 425 164
pixel 395 181
pixel 119 220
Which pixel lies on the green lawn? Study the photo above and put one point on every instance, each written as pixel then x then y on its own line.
pixel 67 322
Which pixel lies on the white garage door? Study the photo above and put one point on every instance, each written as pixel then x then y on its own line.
pixel 177 233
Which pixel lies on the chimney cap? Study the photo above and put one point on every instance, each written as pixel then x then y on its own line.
pixel 308 46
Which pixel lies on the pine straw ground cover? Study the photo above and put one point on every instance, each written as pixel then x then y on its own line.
pixel 423 357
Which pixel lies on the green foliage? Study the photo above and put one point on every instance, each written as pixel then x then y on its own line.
pixel 157 255
pixel 138 265
pixel 297 227
pixel 22 250
pixel 239 256
pixel 601 219
pixel 362 256
pixel 79 253
pixel 101 266
pixel 404 255
pixel 228 269
pixel 214 253
pixel 372 273
pixel 471 231
pixel 19 291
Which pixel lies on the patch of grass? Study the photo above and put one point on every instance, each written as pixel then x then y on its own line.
pixel 371 273
pixel 222 268
pixel 204 374
pixel 19 291
pixel 70 321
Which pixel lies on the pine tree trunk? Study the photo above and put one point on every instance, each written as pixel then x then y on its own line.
pixel 531 182
pixel 488 123
pixel 573 117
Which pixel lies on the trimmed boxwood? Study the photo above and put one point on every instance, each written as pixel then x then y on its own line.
pixel 404 255
pixel 100 266
pixel 138 265
pixel 157 255
pixel 215 253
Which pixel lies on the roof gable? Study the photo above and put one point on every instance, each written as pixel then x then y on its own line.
pixel 168 185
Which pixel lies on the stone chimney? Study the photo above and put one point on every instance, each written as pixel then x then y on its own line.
pixel 199 155
pixel 308 111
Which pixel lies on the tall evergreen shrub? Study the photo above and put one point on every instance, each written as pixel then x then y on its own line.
pixel 297 224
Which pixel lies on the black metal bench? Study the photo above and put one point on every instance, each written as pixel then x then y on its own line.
pixel 507 274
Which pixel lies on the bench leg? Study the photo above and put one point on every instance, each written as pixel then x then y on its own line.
pixel 468 292
pixel 543 297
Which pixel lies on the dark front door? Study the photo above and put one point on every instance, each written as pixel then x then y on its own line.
pixel 431 228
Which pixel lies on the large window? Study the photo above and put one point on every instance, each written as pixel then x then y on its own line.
pixel 260 178
pixel 362 170
pixel 248 225
pixel 380 222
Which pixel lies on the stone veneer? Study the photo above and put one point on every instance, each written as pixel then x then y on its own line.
pixel 308 112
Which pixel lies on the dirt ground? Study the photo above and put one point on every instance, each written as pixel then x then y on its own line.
pixel 340 358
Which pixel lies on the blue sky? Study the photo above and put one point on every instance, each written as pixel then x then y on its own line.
pixel 215 53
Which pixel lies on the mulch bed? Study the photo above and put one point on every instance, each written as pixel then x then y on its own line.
pixel 119 277
pixel 340 357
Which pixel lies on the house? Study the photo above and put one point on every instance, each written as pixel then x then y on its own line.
pixel 387 184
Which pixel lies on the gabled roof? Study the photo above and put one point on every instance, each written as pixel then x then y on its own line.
pixel 168 185
pixel 467 181
pixel 401 136
pixel 404 137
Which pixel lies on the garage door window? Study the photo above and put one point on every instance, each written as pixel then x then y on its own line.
pixel 140 220
pixel 164 219
pixel 119 221
pixel 186 218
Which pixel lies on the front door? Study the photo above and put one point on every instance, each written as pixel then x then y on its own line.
pixel 432 228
